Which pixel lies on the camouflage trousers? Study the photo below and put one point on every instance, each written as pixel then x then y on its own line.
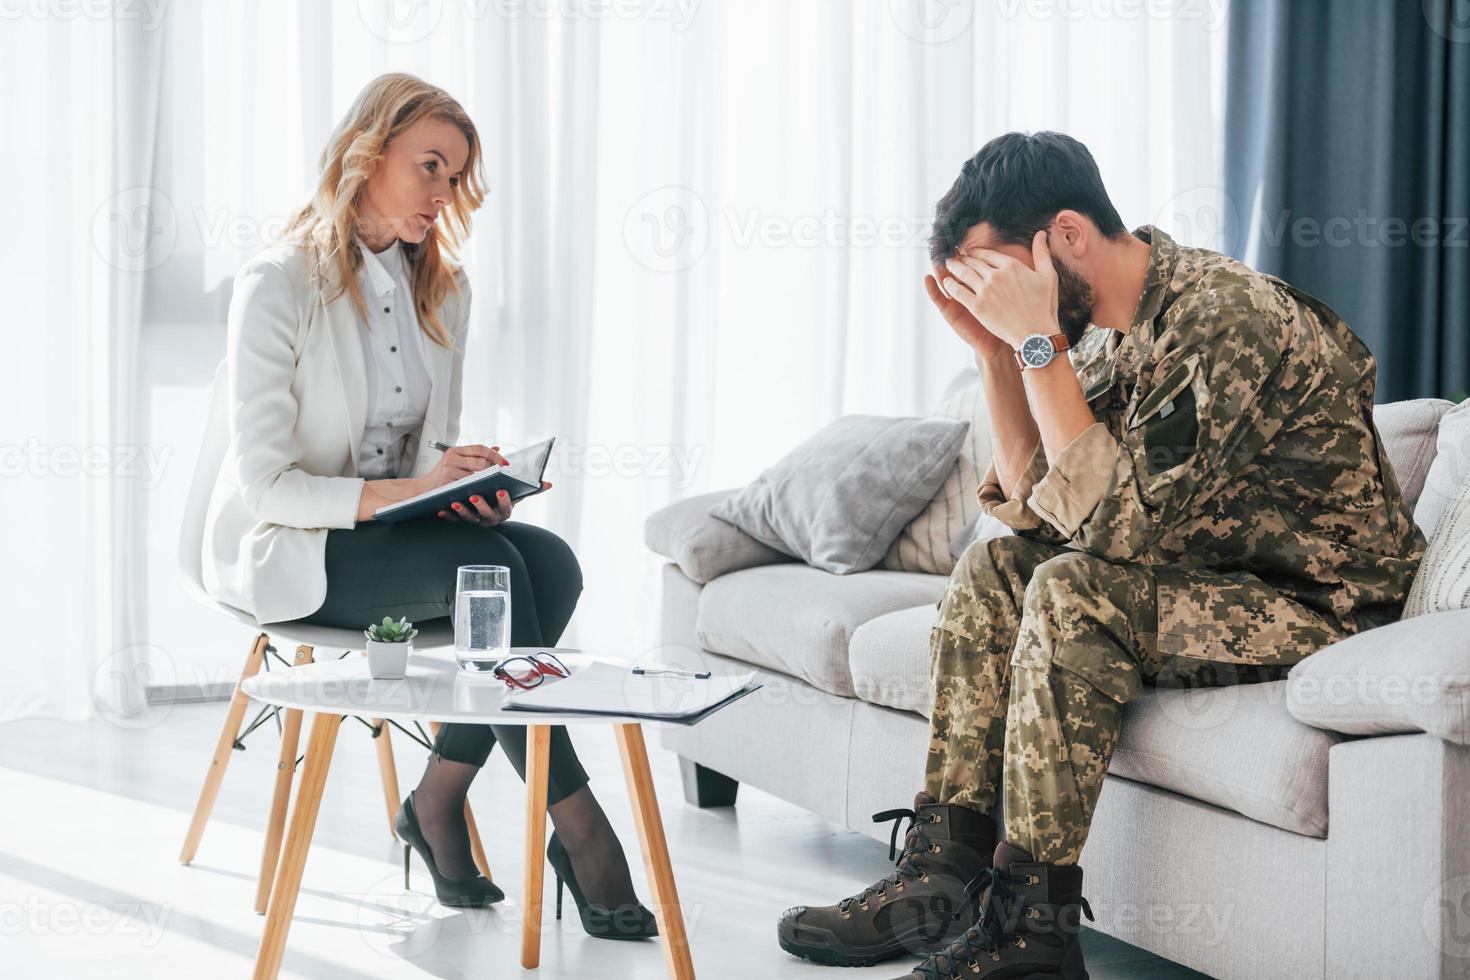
pixel 1037 649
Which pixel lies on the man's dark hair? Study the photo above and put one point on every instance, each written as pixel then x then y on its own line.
pixel 1016 184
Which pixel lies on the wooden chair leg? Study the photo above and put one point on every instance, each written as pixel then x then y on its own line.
pixel 655 852
pixel 477 849
pixel 223 749
pixel 388 770
pixel 538 760
pixel 298 841
pixel 281 798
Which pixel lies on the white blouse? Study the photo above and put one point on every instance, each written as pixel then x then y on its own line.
pixel 393 349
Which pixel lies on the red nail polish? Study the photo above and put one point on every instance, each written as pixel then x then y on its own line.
pixel 474 500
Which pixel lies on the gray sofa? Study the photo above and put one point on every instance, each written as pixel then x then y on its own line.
pixel 1316 827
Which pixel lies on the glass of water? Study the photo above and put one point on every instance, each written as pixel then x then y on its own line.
pixel 482 618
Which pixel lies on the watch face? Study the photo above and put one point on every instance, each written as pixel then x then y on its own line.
pixel 1037 351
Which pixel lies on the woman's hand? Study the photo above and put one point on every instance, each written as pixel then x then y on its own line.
pixel 483 511
pixel 460 461
pixel 970 330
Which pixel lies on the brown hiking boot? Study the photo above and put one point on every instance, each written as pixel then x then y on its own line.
pixel 1031 915
pixel 928 900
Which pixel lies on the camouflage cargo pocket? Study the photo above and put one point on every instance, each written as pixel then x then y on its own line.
pixel 1102 666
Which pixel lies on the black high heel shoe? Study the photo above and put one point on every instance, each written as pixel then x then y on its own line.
pixel 631 921
pixel 456 891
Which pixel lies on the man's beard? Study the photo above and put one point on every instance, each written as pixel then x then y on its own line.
pixel 1074 302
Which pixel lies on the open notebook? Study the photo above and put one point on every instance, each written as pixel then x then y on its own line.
pixel 522 478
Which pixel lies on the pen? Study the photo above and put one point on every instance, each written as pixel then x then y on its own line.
pixel 702 675
pixel 436 444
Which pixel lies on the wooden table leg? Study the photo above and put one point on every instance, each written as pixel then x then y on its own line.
pixel 223 749
pixel 275 825
pixel 298 840
pixel 538 760
pixel 655 852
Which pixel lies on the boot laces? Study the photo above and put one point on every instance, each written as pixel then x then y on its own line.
pixel 986 935
pixel 915 843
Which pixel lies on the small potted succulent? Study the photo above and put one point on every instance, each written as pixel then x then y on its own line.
pixel 388 647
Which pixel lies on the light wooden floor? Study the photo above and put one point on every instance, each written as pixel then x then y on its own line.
pixel 89 884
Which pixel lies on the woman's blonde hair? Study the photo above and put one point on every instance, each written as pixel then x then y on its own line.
pixel 388 106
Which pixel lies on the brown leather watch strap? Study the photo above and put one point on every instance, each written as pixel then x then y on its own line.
pixel 1058 343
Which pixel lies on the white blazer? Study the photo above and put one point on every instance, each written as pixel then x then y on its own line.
pixel 297 408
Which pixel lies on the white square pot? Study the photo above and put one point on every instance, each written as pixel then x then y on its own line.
pixel 388 661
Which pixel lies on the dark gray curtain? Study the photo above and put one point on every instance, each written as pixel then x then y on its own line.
pixel 1347 169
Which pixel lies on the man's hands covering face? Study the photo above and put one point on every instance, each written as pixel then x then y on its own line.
pixel 1011 301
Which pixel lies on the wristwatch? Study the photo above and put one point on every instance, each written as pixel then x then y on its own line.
pixel 1037 350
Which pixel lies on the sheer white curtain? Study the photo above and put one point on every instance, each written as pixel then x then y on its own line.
pixel 704 240
pixel 766 176
pixel 85 225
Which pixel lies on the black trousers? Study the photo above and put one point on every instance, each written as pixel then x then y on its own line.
pixel 409 569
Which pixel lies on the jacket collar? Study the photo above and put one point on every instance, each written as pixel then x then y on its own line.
pixel 1163 253
pixel 344 328
pixel 1099 370
pixel 381 280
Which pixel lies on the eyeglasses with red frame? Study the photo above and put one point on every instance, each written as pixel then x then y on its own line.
pixel 528 671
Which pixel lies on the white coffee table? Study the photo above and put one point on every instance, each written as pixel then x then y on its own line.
pixel 435 691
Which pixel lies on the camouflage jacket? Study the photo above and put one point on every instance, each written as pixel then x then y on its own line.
pixel 1234 434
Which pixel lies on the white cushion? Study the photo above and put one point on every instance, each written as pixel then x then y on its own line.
pixel 1409 429
pixel 889 659
pixel 1236 747
pixel 1409 676
pixel 1442 581
pixel 704 547
pixel 798 620
pixel 839 499
pixel 926 542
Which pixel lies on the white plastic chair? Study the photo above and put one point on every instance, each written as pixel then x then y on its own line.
pixel 308 639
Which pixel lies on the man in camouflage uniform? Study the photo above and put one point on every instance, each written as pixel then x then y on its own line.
pixel 1221 509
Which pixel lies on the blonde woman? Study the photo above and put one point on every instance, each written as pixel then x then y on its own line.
pixel 346 353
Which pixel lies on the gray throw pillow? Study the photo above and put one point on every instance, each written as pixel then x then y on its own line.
pixel 839 499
